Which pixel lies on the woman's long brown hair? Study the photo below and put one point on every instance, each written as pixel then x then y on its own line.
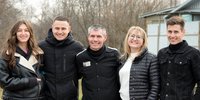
pixel 9 49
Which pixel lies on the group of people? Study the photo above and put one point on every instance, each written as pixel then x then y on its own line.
pixel 50 69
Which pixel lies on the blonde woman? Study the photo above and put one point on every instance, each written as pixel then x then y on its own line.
pixel 139 74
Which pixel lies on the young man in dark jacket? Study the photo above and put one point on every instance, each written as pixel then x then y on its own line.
pixel 60 50
pixel 98 66
pixel 179 65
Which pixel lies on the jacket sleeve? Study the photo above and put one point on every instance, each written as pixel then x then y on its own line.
pixel 118 54
pixel 9 82
pixel 78 68
pixel 78 65
pixel 196 72
pixel 154 79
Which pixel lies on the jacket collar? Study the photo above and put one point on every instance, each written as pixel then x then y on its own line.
pixel 96 55
pixel 52 40
pixel 27 63
pixel 142 54
pixel 180 50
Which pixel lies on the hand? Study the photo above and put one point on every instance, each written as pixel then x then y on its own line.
pixel 38 79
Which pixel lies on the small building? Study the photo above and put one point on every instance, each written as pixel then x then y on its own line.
pixel 156 28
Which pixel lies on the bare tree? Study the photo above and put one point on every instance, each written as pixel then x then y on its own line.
pixel 8 15
pixel 116 15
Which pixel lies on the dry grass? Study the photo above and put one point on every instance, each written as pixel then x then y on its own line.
pixel 1 93
pixel 80 90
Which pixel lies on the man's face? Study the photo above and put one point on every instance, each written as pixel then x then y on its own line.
pixel 96 39
pixel 175 34
pixel 60 29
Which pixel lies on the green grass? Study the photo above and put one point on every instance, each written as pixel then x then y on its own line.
pixel 80 91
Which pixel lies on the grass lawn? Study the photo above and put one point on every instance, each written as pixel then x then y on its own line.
pixel 80 90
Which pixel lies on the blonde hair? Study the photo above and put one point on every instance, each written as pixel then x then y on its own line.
pixel 127 49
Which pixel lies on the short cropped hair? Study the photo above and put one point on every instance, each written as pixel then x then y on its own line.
pixel 97 27
pixel 61 18
pixel 176 20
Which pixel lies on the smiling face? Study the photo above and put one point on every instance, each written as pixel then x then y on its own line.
pixel 96 39
pixel 175 29
pixel 23 34
pixel 175 34
pixel 60 29
pixel 135 40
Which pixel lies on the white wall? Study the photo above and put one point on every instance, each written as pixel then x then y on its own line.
pixel 157 35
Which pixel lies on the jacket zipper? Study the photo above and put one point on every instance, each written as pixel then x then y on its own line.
pixel 64 67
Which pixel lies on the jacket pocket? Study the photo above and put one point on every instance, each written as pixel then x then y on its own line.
pixel 182 65
pixel 181 61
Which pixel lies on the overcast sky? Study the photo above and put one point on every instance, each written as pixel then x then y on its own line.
pixel 36 4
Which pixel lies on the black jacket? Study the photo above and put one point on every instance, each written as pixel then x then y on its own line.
pixel 144 80
pixel 179 71
pixel 20 83
pixel 100 78
pixel 59 67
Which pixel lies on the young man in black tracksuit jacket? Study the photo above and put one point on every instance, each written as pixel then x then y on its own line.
pixel 59 61
pixel 98 66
